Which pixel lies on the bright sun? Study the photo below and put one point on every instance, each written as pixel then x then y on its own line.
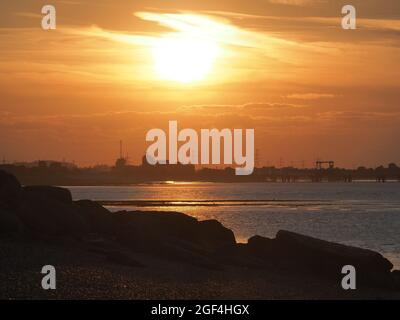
pixel 184 59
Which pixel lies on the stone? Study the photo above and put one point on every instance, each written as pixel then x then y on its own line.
pixel 48 192
pixel 10 191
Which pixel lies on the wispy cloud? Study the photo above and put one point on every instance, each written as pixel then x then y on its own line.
pixel 310 96
pixel 216 28
pixel 28 15
pixel 297 2
pixel 241 107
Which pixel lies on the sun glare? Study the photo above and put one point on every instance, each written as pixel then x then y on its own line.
pixel 183 58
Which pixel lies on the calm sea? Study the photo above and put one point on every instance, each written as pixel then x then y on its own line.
pixel 363 214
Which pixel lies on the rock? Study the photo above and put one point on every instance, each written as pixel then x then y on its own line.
pixel 213 235
pixel 50 218
pixel 183 254
pixel 172 235
pixel 97 218
pixel 49 212
pixel 10 224
pixel 238 255
pixel 146 230
pixel 267 250
pixel 48 192
pixel 329 254
pixel 396 278
pixel 122 258
pixel 260 246
pixel 306 254
pixel 10 191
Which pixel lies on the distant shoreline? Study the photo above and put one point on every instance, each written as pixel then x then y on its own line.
pixel 122 174
pixel 203 203
pixel 178 182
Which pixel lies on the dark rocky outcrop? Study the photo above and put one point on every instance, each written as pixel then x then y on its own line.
pixel 10 191
pixel 48 192
pixel 212 235
pixel 173 235
pixel 123 258
pixel 306 254
pixel 49 212
pixel 239 255
pixel 50 218
pixel 146 230
pixel 97 218
pixel 261 246
pixel 10 224
pixel 396 278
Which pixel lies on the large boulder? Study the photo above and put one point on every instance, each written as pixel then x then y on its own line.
pixel 238 255
pixel 261 246
pixel 147 230
pixel 48 192
pixel 306 254
pixel 187 254
pixel 123 258
pixel 396 278
pixel 10 224
pixel 97 218
pixel 10 191
pixel 46 217
pixel 212 235
pixel 332 256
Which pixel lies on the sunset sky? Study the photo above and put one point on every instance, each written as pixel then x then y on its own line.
pixel 114 69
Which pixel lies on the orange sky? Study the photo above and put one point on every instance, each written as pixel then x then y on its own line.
pixel 284 67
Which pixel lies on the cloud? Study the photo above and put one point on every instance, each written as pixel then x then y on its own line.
pixel 29 15
pixel 360 116
pixel 310 96
pixel 240 107
pixel 70 2
pixel 297 2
